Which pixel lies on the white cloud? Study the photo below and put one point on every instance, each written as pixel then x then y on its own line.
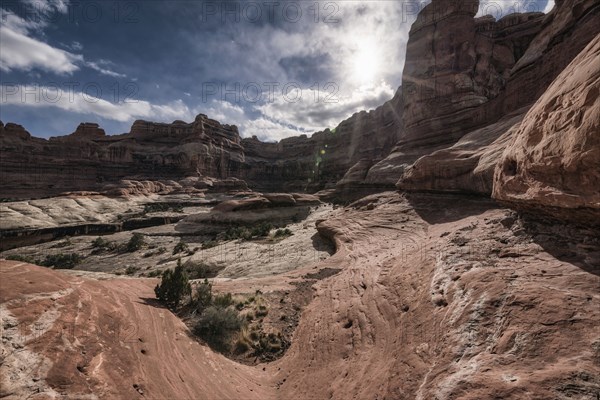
pixel 104 71
pixel 500 8
pixel 75 45
pixel 267 130
pixel 313 110
pixel 225 112
pixel 47 7
pixel 82 103
pixel 549 6
pixel 21 52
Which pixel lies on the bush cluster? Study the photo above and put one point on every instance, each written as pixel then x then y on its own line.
pixel 131 270
pixel 246 233
pixel 281 233
pixel 173 286
pixel 62 261
pixel 217 323
pixel 102 244
pixel 162 207
pixel 181 247
pixel 200 270
pixel 135 243
pixel 25 259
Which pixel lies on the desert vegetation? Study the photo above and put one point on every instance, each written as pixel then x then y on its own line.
pixel 230 324
pixel 56 261
pixel 246 233
pixel 173 286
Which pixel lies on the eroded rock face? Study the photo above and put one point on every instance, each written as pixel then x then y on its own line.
pixel 464 77
pixel 465 167
pixel 553 160
pixel 213 152
pixel 455 64
pixel 323 159
pixel 89 160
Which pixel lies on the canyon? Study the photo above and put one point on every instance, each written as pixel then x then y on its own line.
pixel 445 245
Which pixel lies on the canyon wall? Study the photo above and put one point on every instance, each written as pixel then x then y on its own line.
pixel 469 81
pixel 468 85
pixel 552 162
pixel 88 159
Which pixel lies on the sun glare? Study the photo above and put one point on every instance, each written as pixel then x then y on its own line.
pixel 366 63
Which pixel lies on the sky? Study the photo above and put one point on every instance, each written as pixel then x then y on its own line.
pixel 274 68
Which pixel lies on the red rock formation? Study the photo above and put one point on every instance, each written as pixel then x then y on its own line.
pixel 463 75
pixel 323 159
pixel 460 83
pixel 552 163
pixel 88 159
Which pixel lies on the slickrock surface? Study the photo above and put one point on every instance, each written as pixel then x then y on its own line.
pixel 276 208
pixel 553 160
pixel 84 338
pixel 436 298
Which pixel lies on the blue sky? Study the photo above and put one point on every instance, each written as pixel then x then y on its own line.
pixel 273 68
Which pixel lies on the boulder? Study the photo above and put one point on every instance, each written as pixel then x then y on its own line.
pixel 552 164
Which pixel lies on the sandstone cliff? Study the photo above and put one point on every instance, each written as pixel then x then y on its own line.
pixel 553 160
pixel 88 159
pixel 467 85
pixel 466 78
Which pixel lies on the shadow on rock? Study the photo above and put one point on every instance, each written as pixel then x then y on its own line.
pixel 152 302
pixel 322 244
pixel 573 244
pixel 437 208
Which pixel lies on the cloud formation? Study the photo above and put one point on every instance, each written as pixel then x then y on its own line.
pixel 328 61
pixel 34 96
pixel 22 52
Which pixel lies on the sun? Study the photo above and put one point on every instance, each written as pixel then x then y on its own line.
pixel 366 63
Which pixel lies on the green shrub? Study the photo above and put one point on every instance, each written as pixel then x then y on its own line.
pixel 210 244
pixel 262 311
pixel 216 324
pixel 62 261
pixel 200 270
pixel 101 243
pixel 180 247
pixel 162 207
pixel 269 343
pixel 223 300
pixel 131 270
pixel 135 243
pixel 241 232
pixel 282 233
pixel 26 259
pixel 203 295
pixel 242 346
pixel 173 286
pixel 154 274
pixel 262 229
pixel 161 250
